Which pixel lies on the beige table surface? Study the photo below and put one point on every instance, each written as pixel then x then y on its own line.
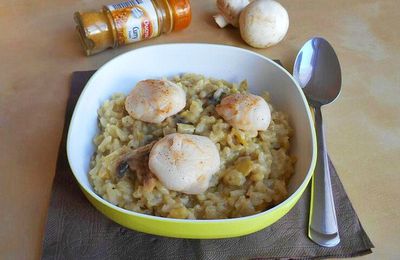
pixel 39 50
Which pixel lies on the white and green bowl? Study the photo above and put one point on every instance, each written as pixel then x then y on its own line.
pixel 218 61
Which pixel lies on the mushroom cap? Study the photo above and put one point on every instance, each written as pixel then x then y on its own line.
pixel 154 100
pixel 230 10
pixel 263 23
pixel 246 111
pixel 184 162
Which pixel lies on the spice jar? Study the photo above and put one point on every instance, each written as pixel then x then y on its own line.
pixel 131 21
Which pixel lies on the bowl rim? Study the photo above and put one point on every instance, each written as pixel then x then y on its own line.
pixel 300 189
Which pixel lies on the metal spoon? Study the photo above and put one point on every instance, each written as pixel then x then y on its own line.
pixel 317 70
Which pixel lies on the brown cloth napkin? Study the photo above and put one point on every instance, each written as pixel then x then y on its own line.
pixel 76 230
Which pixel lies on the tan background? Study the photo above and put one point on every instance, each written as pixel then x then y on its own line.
pixel 39 50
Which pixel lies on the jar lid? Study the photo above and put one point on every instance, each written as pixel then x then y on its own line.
pixel 182 14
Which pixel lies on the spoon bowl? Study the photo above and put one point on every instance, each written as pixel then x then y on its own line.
pixel 317 71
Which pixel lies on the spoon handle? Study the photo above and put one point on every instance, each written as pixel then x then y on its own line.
pixel 323 228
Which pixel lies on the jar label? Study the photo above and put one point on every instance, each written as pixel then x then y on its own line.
pixel 135 20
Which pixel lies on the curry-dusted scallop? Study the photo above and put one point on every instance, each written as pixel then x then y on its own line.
pixel 153 101
pixel 184 162
pixel 245 111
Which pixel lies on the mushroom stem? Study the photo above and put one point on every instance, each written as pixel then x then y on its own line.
pixel 229 11
pixel 220 20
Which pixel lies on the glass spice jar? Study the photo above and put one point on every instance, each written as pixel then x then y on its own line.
pixel 131 21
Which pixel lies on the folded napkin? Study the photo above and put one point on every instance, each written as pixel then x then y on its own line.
pixel 76 230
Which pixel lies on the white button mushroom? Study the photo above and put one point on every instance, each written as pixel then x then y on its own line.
pixel 229 12
pixel 247 112
pixel 263 23
pixel 154 100
pixel 184 162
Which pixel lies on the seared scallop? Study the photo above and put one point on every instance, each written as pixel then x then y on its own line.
pixel 184 162
pixel 153 101
pixel 245 111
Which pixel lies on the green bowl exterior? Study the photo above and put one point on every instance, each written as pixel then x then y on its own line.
pixel 196 229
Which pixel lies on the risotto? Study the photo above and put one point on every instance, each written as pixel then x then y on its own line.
pixel 253 173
